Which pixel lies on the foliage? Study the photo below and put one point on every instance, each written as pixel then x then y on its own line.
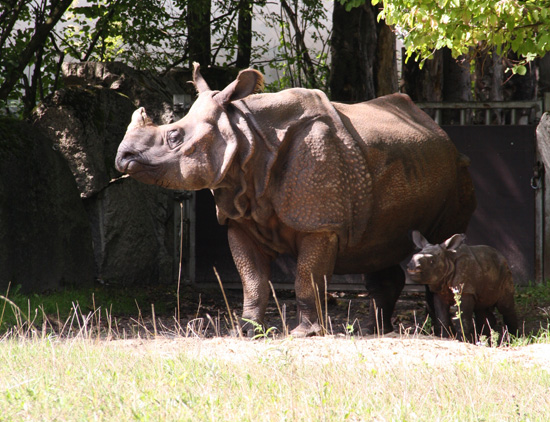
pixel 28 51
pixel 534 295
pixel 465 27
pixel 152 35
pixel 149 34
pixel 302 52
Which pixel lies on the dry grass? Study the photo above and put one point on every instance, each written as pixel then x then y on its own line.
pixel 90 367
pixel 230 379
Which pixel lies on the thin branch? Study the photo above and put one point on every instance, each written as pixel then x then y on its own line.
pixel 222 43
pixel 102 24
pixel 9 27
pixel 61 55
pixel 300 44
pixel 37 40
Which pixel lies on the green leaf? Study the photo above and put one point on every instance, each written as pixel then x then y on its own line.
pixel 520 70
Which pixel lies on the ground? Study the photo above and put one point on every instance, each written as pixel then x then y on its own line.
pixel 204 312
pixel 204 324
pixel 394 349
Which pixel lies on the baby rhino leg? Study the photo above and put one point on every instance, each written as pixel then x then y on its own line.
pixel 485 321
pixel 506 307
pixel 467 305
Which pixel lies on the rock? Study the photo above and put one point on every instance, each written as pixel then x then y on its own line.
pixel 131 224
pixel 141 87
pixel 45 239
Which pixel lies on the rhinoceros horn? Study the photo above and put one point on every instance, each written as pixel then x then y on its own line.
pixel 139 119
pixel 198 80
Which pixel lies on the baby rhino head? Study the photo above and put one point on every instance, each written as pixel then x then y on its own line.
pixel 433 262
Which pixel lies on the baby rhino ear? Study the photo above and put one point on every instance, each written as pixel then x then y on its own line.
pixel 454 242
pixel 419 240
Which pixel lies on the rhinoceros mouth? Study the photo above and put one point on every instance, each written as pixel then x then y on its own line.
pixel 133 167
pixel 415 274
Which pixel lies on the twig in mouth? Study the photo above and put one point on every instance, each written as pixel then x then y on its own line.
pixel 117 179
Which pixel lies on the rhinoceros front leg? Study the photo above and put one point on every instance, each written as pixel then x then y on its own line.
pixel 316 258
pixel 254 268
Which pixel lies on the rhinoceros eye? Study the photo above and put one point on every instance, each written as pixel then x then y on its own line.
pixel 174 138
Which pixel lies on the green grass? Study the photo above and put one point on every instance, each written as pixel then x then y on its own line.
pixel 79 376
pixel 17 308
pixel 533 295
pixel 81 380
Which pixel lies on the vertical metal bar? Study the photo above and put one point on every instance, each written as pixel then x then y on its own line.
pixel 513 116
pixel 462 117
pixel 177 238
pixel 192 216
pixel 438 116
pixel 488 116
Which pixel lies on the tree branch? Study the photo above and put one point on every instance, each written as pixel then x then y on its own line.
pixel 41 33
pixel 102 24
pixel 300 44
pixel 9 27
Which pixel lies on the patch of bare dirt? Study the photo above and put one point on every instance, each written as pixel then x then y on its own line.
pixel 391 350
pixel 204 323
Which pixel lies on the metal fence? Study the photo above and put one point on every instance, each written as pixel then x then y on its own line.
pixel 486 113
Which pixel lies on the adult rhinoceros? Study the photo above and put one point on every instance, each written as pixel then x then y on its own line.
pixel 337 186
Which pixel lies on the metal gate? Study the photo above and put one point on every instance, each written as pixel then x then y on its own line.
pixel 502 159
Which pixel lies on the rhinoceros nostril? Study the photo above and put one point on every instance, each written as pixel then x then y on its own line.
pixel 123 159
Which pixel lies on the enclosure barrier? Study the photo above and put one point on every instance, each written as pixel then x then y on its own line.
pixel 516 112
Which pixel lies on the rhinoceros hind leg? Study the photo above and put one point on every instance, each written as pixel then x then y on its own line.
pixel 315 263
pixel 384 288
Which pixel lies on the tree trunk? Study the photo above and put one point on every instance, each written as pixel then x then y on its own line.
pixel 489 79
pixel 424 84
pixel 385 66
pixel 457 86
pixel 244 34
pixel 198 31
pixel 544 74
pixel 353 48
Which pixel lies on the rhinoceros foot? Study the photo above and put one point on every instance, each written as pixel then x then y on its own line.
pixel 247 328
pixel 306 329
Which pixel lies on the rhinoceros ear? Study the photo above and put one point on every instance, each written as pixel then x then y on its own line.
pixel 248 82
pixel 139 119
pixel 198 80
pixel 419 240
pixel 454 242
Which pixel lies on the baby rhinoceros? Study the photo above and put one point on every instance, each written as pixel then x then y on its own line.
pixel 479 273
